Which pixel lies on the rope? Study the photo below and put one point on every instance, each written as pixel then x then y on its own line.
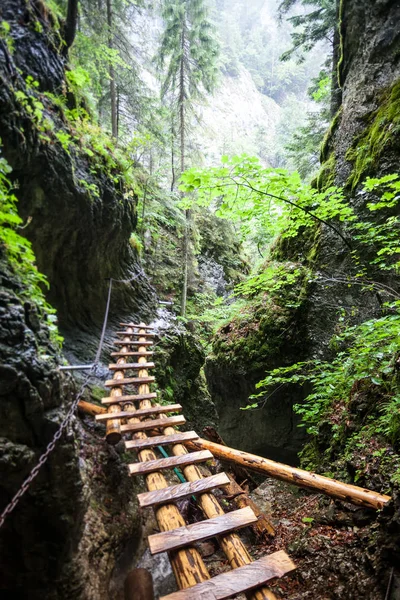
pixel 50 447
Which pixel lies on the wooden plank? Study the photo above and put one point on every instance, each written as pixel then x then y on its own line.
pixel 152 424
pixel 183 490
pixel 144 412
pixel 137 326
pixel 152 466
pixel 123 354
pixel 134 343
pixel 202 530
pixel 161 440
pixel 132 398
pixel 125 366
pixel 238 580
pixel 135 380
pixel 126 333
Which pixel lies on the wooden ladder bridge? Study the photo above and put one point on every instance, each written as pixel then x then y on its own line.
pixel 151 425
pixel 138 415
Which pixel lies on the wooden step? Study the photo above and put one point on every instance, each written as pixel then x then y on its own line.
pixel 155 423
pixel 133 398
pixel 126 333
pixel 151 466
pixel 137 326
pixel 239 580
pixel 162 440
pixel 125 366
pixel 134 343
pixel 123 354
pixel 203 530
pixel 131 380
pixel 143 412
pixel 183 490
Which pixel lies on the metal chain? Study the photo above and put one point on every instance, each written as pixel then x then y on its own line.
pixel 50 447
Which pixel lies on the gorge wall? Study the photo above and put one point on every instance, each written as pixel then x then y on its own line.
pixel 363 140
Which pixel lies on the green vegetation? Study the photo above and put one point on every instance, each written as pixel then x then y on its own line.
pixel 19 253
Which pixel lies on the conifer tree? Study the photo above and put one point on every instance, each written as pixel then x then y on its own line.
pixel 188 52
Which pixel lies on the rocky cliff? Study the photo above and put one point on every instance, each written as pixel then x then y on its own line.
pixel 363 140
pixel 79 515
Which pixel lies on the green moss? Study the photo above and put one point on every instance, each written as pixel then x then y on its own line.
pixel 326 175
pixel 382 132
pixel 324 152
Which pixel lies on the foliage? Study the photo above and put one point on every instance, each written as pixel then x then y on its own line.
pixel 365 352
pixel 19 253
pixel 313 27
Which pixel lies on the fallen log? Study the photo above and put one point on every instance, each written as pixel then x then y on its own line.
pixel 90 409
pixel 235 492
pixel 306 479
pixel 262 527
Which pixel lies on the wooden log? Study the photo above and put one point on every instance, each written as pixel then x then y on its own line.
pixel 90 409
pixel 138 585
pixel 202 530
pixel 124 354
pixel 117 367
pixel 306 479
pixel 182 490
pixel 145 334
pixel 134 343
pixel 129 398
pixel 129 381
pixel 160 464
pixel 161 440
pixel 231 544
pixel 187 564
pixel 145 412
pixel 151 424
pixel 136 326
pixel 240 580
pixel 263 528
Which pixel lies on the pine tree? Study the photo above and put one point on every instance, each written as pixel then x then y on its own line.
pixel 188 52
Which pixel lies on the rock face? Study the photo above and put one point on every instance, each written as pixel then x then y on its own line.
pixel 363 140
pixel 81 216
pixel 62 539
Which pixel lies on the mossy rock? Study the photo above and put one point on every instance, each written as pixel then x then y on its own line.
pixel 380 138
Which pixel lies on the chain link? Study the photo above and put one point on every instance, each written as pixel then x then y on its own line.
pixel 50 447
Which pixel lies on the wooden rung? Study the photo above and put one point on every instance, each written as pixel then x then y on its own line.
pixel 135 380
pixel 134 343
pixel 123 333
pixel 183 490
pixel 202 530
pixel 125 366
pixel 162 440
pixel 122 354
pixel 239 580
pixel 137 326
pixel 143 425
pixel 151 466
pixel 143 412
pixel 133 398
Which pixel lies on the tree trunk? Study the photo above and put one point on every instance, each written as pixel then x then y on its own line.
pixel 70 24
pixel 336 93
pixel 113 95
pixel 182 99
